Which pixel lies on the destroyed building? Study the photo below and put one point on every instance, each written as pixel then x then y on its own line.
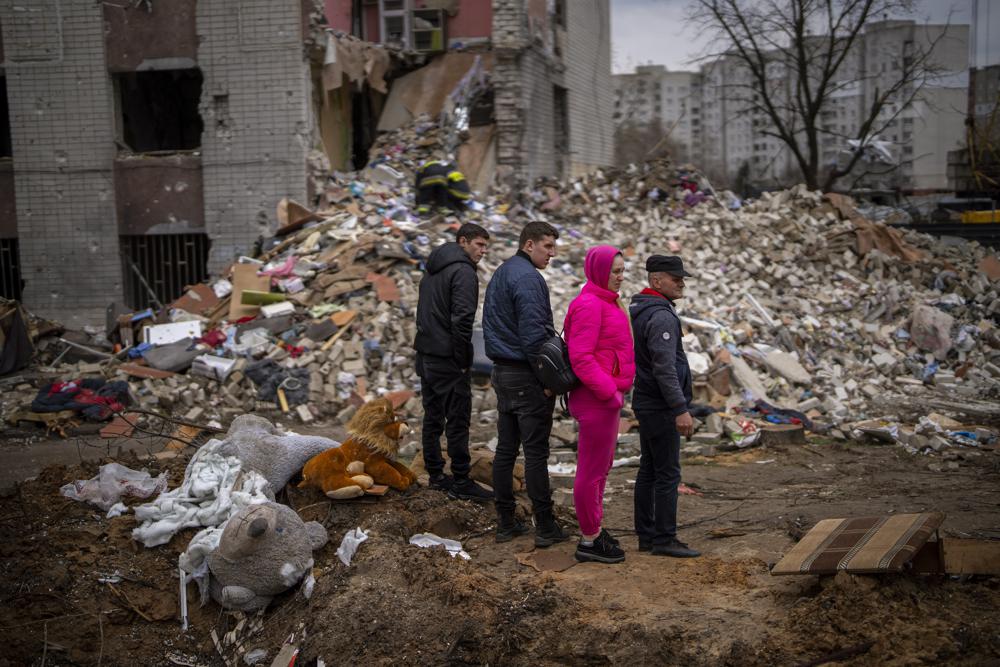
pixel 551 70
pixel 150 143
pixel 161 134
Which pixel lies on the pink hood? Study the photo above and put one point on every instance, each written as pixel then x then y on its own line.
pixel 597 265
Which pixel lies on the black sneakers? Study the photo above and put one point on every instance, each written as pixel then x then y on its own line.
pixel 603 550
pixel 675 549
pixel 440 482
pixel 645 545
pixel 548 531
pixel 508 527
pixel 610 538
pixel 464 488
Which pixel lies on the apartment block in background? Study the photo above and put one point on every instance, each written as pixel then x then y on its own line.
pixel 734 146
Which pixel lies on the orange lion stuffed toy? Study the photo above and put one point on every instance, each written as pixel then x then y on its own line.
pixel 364 459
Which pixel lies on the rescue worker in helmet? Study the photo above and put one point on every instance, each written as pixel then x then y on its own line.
pixel 441 186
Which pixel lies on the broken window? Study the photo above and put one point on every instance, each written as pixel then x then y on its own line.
pixel 395 17
pixel 162 265
pixel 559 12
pixel 6 149
pixel 10 270
pixel 158 110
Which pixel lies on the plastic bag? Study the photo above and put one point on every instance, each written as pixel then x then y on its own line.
pixel 114 482
pixel 427 540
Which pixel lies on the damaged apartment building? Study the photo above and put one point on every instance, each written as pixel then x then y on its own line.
pixel 549 63
pixel 146 145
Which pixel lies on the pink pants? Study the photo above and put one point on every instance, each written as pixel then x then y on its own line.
pixel 594 454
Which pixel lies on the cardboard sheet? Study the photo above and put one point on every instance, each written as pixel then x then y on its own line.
pixel 245 278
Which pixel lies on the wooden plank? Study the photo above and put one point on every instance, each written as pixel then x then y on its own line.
pixel 343 329
pixel 971 556
pixel 145 371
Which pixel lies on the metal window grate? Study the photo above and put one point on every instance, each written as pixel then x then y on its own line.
pixel 10 270
pixel 167 262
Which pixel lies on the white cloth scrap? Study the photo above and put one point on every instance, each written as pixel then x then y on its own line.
pixel 349 545
pixel 428 540
pixel 112 483
pixel 214 488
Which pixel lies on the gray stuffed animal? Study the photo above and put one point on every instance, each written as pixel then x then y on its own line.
pixel 274 454
pixel 264 550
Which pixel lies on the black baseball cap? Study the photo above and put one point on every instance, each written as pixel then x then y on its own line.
pixel 666 264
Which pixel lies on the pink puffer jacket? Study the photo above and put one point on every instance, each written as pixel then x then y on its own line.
pixel 599 337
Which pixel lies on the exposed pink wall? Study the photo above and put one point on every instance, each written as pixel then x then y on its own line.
pixel 473 19
pixel 338 14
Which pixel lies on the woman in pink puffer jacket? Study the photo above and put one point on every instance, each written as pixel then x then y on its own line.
pixel 599 338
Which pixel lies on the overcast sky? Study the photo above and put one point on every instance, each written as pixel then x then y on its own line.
pixel 655 30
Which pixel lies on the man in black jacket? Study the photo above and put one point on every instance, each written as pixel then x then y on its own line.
pixel 449 296
pixel 660 401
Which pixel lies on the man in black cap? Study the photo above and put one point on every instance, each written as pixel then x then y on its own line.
pixel 660 400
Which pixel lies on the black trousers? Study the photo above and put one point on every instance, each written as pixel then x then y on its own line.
pixel 446 393
pixel 658 477
pixel 437 196
pixel 525 417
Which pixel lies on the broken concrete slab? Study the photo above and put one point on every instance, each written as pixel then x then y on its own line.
pixel 787 366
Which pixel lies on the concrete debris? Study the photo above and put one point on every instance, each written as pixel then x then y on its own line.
pixel 798 304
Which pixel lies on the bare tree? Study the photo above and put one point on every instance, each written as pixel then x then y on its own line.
pixel 800 55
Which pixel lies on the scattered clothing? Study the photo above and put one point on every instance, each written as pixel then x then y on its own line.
pixel 269 376
pixel 96 399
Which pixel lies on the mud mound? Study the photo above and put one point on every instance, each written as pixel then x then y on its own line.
pixel 891 620
pixel 77 589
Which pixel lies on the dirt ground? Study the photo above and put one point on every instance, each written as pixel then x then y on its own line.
pixel 398 604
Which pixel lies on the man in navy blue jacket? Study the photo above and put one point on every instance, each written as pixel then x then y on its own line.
pixel 517 320
pixel 660 400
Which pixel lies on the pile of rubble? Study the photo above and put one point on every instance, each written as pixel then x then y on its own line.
pixel 801 311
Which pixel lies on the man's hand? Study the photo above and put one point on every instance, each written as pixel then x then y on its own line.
pixel 547 392
pixel 685 424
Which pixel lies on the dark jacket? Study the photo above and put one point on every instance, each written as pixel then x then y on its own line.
pixel 517 315
pixel 663 377
pixel 446 309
